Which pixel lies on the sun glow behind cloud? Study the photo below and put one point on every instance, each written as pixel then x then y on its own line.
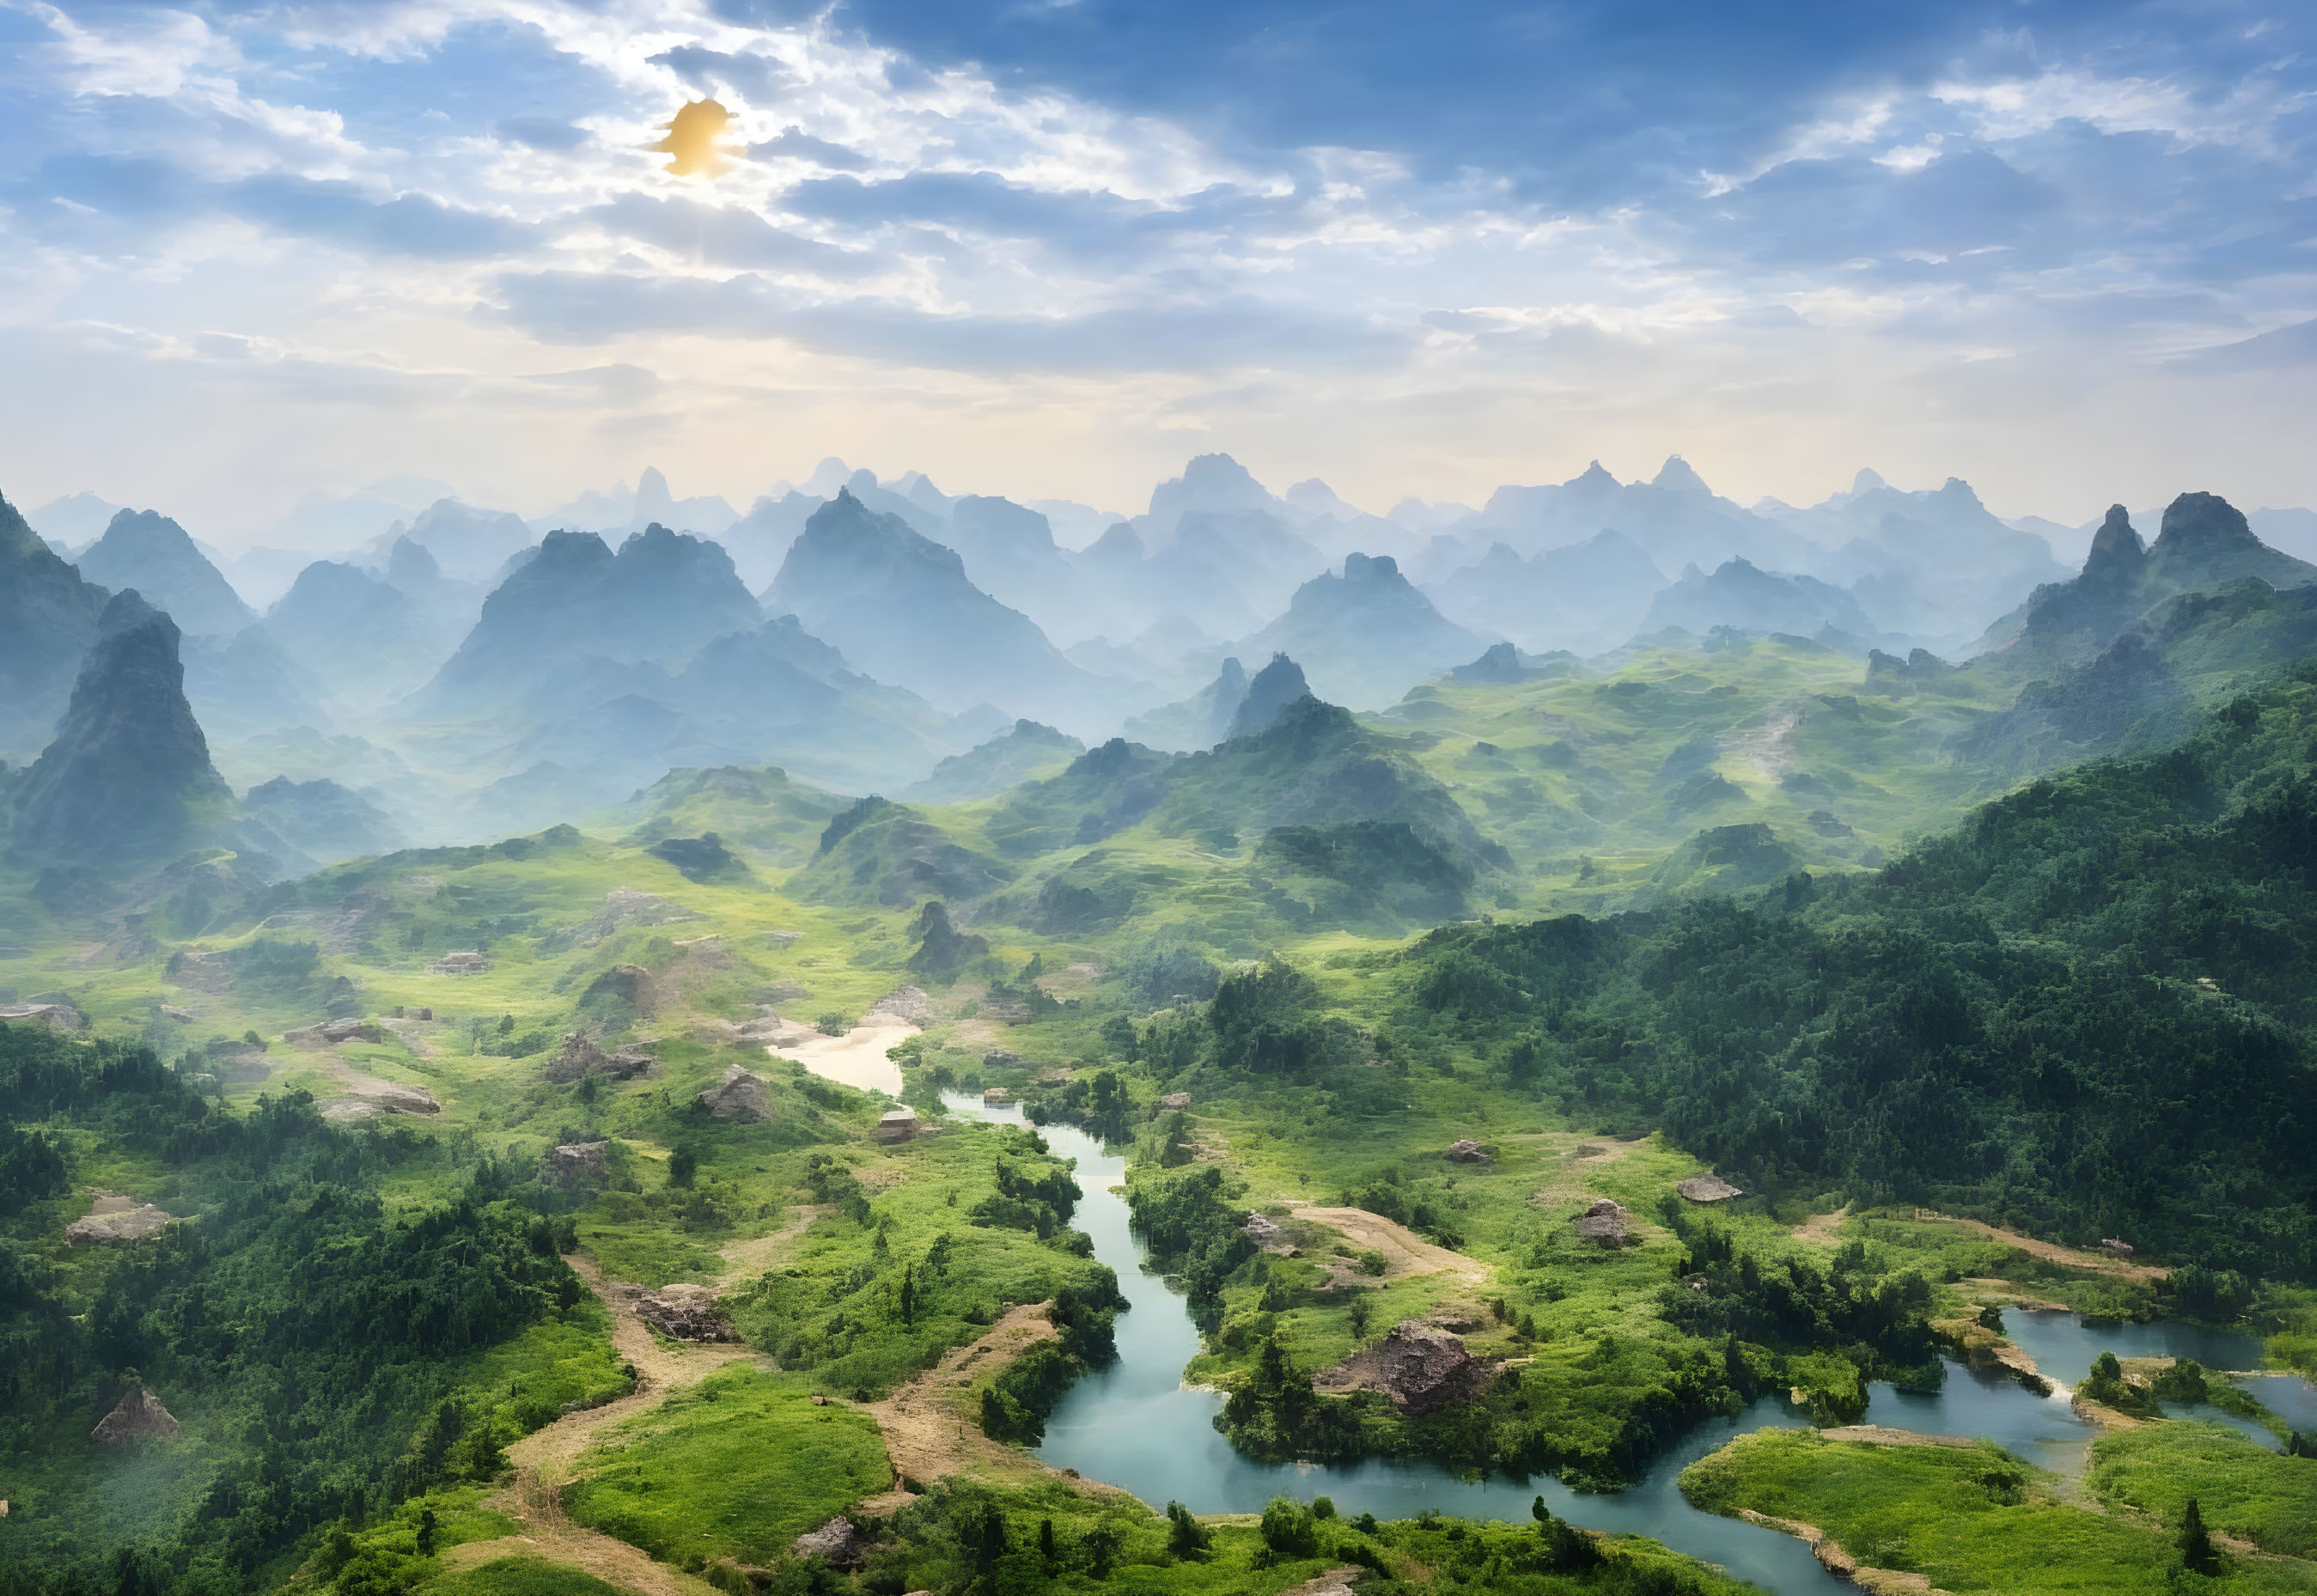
pixel 293 247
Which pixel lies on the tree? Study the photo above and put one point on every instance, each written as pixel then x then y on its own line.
pixel 1046 1552
pixel 908 1296
pixel 1186 1536
pixel 1289 1528
pixel 2196 1543
pixel 1360 1312
pixel 682 1163
pixel 428 1524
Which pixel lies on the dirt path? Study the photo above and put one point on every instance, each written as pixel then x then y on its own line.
pixel 2052 1251
pixel 1405 1252
pixel 1882 1581
pixel 746 1259
pixel 545 1460
pixel 932 1430
pixel 1820 1227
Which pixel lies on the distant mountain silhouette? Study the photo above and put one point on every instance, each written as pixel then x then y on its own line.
pixel 1000 763
pixel 1365 636
pixel 323 821
pixel 1199 721
pixel 147 551
pixel 357 636
pixel 660 599
pixel 1674 519
pixel 901 608
pixel 1277 686
pixel 48 618
pixel 128 780
pixel 1584 597
pixel 1755 601
pixel 1930 562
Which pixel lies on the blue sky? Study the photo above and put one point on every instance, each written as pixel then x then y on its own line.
pixel 1050 247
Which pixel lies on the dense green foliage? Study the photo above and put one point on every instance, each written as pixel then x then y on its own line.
pixel 310 1333
pixel 2088 1012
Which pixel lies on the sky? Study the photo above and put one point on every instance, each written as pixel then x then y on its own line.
pixel 1051 248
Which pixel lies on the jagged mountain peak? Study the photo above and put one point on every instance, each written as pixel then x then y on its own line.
pixel 1274 687
pixel 128 777
pixel 147 550
pixel 1677 476
pixel 1867 480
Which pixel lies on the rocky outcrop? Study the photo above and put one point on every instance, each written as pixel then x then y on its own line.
pixel 629 983
pixel 116 1219
pixel 1175 1101
pixel 897 1125
pixel 576 1163
pixel 467 962
pixel 1465 1150
pixel 329 1033
pixel 137 1419
pixel 55 1016
pixel 1421 1367
pixel 835 1543
pixel 624 907
pixel 1607 1223
pixel 580 1056
pixel 685 1313
pixel 370 1099
pixel 1267 1233
pixel 1708 1189
pixel 999 1058
pixel 48 618
pixel 909 1003
pixel 128 776
pixel 741 1096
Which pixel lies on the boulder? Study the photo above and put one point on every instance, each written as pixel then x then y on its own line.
pixel 55 1016
pixel 835 1543
pixel 1607 1223
pixel 897 1125
pixel 770 1030
pixel 1335 1582
pixel 1421 1367
pixel 1466 1151
pixel 1175 1101
pixel 738 1096
pixel 1264 1232
pixel 685 1313
pixel 329 1033
pixel 576 1161
pixel 115 1219
pixel 1008 1013
pixel 182 1016
pixel 907 1003
pixel 630 984
pixel 1708 1189
pixel 373 1098
pixel 580 1056
pixel 135 1419
pixel 995 1094
pixel 999 1058
pixel 468 963
pixel 2121 1249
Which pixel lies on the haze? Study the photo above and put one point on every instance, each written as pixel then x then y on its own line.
pixel 256 251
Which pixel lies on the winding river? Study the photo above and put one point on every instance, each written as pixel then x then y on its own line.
pixel 1136 1424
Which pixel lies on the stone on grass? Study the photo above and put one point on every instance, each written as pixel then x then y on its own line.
pixel 1708 1189
pixel 835 1543
pixel 1607 1223
pixel 738 1096
pixel 685 1313
pixel 1465 1150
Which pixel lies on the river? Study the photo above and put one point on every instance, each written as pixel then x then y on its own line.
pixel 1135 1423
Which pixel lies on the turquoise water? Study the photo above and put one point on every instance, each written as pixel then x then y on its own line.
pixel 1135 1424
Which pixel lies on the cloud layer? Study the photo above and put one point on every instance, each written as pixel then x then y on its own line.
pixel 2070 250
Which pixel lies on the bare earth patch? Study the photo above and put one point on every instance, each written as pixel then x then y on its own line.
pixel 1405 1252
pixel 2052 1251
pixel 1820 1227
pixel 545 1460
pixel 931 1428
pixel 1882 1581
pixel 743 1260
